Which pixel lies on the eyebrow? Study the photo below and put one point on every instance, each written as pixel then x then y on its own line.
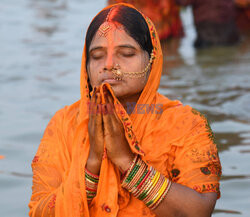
pixel 119 46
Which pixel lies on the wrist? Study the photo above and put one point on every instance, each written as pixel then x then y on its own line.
pixel 124 164
pixel 93 165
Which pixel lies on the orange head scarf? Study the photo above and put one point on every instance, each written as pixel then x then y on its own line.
pixel 58 167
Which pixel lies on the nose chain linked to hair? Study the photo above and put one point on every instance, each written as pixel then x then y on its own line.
pixel 119 74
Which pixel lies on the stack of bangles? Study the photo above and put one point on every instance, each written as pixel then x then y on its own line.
pixel 91 182
pixel 145 183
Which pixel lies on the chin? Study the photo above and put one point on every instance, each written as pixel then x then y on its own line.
pixel 117 91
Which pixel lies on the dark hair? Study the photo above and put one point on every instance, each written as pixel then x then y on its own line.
pixel 132 21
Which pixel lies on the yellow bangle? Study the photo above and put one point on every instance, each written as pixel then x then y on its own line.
pixel 151 190
pixel 155 179
pixel 164 185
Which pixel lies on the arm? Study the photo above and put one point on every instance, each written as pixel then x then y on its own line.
pixel 200 169
pixel 195 183
pixel 179 200
pixel 183 201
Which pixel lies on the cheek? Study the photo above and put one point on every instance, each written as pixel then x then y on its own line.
pixel 136 84
pixel 133 65
pixel 93 72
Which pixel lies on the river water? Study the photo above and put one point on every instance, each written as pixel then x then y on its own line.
pixel 41 43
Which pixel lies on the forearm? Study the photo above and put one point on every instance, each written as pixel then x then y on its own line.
pixel 163 197
pixel 183 201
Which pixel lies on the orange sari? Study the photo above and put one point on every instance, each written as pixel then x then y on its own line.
pixel 175 139
pixel 165 15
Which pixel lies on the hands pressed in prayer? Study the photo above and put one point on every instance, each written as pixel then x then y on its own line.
pixel 104 125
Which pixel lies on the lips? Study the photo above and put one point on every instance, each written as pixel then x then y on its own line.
pixel 110 80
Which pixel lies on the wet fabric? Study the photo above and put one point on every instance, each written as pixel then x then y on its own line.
pixel 173 138
pixel 165 15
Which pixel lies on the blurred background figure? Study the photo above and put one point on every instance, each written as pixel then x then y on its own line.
pixel 214 22
pixel 243 15
pixel 163 13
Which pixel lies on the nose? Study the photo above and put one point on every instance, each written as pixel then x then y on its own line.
pixel 109 63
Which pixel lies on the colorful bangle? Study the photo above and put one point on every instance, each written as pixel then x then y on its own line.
pixel 158 192
pixel 142 167
pixel 91 183
pixel 145 183
pixel 148 183
pixel 154 190
pixel 162 197
pixel 124 183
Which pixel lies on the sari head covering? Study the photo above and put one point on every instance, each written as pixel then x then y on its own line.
pixel 164 133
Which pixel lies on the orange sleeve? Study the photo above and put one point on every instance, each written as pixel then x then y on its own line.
pixel 48 168
pixel 197 163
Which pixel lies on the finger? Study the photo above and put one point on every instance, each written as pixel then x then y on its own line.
pixel 98 115
pixel 98 89
pixel 92 103
pixel 98 104
pixel 104 109
pixel 109 102
pixel 107 122
pixel 111 107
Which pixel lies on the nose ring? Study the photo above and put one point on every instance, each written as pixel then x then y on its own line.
pixel 117 73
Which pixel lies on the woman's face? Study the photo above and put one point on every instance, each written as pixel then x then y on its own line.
pixel 117 47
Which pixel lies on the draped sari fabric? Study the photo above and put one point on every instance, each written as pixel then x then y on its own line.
pixel 173 138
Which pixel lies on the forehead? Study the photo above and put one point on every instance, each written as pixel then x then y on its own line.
pixel 115 36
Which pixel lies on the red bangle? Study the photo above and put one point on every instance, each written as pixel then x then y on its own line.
pixel 91 174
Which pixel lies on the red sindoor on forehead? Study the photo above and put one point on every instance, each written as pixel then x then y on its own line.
pixel 112 12
pixel 106 26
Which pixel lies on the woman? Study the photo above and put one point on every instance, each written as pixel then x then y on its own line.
pixel 97 160
pixel 165 15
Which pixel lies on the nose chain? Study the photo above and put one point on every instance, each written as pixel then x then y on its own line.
pixel 119 74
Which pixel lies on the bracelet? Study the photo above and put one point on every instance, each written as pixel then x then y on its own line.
pixel 91 183
pixel 162 197
pixel 128 171
pixel 145 183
